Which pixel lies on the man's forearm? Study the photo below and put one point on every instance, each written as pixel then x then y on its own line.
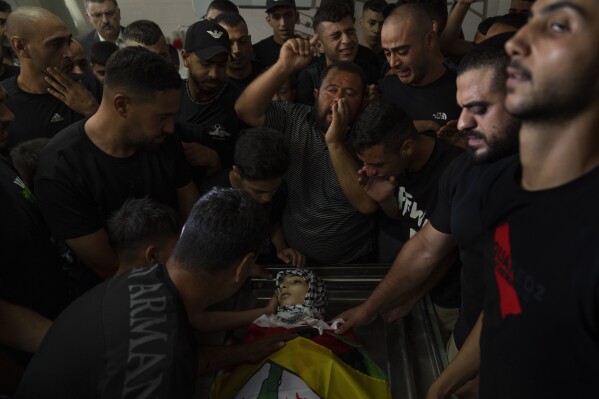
pixel 22 328
pixel 415 262
pixel 252 104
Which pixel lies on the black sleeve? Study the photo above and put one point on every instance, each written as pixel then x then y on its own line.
pixel 182 170
pixel 276 116
pixel 441 217
pixel 66 208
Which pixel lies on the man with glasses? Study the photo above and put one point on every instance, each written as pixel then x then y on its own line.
pixel 105 16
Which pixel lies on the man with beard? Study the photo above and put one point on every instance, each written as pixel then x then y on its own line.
pixel 105 16
pixel 125 150
pixel 492 134
pixel 241 69
pixel 401 173
pixel 539 333
pixel 282 16
pixel 327 216
pixel 211 125
pixel 41 89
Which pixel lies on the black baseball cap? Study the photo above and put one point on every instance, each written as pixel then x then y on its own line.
pixel 206 39
pixel 270 4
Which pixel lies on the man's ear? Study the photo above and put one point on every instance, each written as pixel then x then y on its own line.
pixel 18 45
pixel 297 17
pixel 407 148
pixel 316 93
pixel 150 255
pixel 243 267
pixel 268 18
pixel 121 104
pixel 185 56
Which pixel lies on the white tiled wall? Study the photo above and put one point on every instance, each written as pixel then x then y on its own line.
pixel 172 14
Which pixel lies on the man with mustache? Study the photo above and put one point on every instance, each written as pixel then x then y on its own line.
pixel 105 17
pixel 207 101
pixel 538 335
pixel 127 149
pixel 420 83
pixel 241 69
pixel 327 216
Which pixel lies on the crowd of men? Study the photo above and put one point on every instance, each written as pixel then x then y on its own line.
pixel 132 199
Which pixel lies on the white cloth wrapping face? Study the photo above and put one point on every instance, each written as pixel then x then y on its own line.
pixel 310 313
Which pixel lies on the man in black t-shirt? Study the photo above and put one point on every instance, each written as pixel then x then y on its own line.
pixel 492 134
pixel 539 333
pixel 130 336
pixel 241 69
pixel 419 81
pixel 337 41
pixel 282 16
pixel 127 149
pixel 44 98
pixel 401 173
pixel 207 100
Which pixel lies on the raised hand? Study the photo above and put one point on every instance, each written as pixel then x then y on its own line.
pixel 340 123
pixel 297 53
pixel 71 92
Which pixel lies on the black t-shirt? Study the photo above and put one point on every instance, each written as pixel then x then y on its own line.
pixel 79 185
pixel 41 115
pixel 308 78
pixel 435 102
pixel 9 71
pixel 267 51
pixel 540 336
pixel 30 268
pixel 458 212
pixel 257 69
pixel 218 122
pixel 129 337
pixel 416 199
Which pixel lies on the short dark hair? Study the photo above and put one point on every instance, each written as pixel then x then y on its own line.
pixel 346 66
pixel 224 225
pixel 141 72
pixel 223 5
pixel 382 123
pixel 5 7
pixel 101 52
pixel 489 54
pixel 261 154
pixel 138 223
pixel 350 4
pixel 143 31
pixel 231 19
pixel 375 5
pixel 331 12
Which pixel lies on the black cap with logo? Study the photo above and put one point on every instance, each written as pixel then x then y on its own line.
pixel 206 39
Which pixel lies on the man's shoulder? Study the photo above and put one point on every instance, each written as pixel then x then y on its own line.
pixel 264 43
pixel 11 86
pixel 67 146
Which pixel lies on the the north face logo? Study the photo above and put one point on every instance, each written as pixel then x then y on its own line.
pixel 56 118
pixel 215 34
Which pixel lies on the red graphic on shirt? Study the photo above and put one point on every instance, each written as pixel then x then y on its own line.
pixel 504 275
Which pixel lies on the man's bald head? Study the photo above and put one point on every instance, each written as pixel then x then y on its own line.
pixel 23 22
pixel 413 15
